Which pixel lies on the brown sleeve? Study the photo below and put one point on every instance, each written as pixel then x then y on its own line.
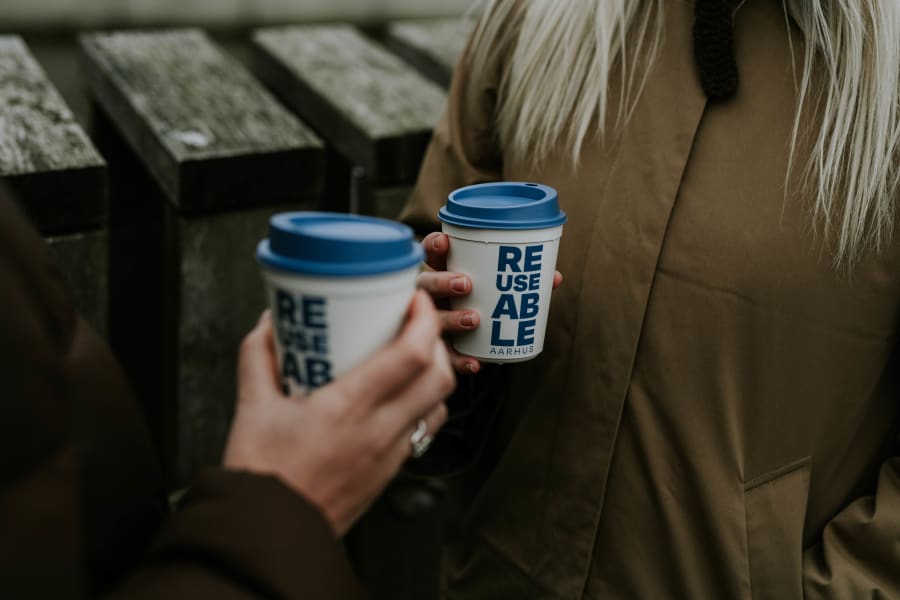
pixel 39 520
pixel 239 535
pixel 859 555
pixel 79 481
pixel 464 148
pixel 39 536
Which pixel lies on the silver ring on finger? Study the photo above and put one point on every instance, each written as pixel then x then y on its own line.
pixel 420 440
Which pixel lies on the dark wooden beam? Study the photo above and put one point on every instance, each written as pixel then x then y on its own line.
pixel 374 108
pixel 45 155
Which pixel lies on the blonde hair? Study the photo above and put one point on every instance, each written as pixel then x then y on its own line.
pixel 853 48
pixel 849 88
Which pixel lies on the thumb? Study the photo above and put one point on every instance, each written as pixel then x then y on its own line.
pixel 257 364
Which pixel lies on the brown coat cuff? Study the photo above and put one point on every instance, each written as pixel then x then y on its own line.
pixel 240 535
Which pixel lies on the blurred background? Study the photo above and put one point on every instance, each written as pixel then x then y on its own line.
pixel 50 27
pixel 48 15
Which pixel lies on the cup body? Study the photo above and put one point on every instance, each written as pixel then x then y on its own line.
pixel 512 283
pixel 505 237
pixel 325 326
pixel 339 287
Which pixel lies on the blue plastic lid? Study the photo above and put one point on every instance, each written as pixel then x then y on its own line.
pixel 335 244
pixel 505 205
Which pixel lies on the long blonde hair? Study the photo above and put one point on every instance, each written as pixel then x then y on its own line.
pixel 849 87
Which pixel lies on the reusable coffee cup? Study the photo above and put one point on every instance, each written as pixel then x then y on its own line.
pixel 339 287
pixel 505 237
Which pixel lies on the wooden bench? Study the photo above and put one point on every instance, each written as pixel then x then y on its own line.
pixel 371 106
pixel 204 155
pixel 200 155
pixel 57 173
pixel 431 45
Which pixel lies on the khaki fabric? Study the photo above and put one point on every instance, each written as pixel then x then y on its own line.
pixel 715 412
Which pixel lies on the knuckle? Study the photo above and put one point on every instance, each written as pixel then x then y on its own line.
pixel 415 356
pixel 379 445
pixel 338 410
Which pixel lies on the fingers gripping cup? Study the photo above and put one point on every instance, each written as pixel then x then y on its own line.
pixel 339 287
pixel 505 237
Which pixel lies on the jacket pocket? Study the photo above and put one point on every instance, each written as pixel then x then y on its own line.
pixel 775 510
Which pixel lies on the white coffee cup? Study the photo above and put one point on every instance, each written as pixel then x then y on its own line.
pixel 505 237
pixel 339 287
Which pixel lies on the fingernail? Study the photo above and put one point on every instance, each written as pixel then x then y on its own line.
pixel 459 284
pixel 435 243
pixel 472 367
pixel 467 320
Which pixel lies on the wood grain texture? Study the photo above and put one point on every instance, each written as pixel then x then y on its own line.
pixel 220 294
pixel 432 45
pixel 83 259
pixel 210 134
pixel 44 153
pixel 368 103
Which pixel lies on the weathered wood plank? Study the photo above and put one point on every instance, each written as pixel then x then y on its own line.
pixel 83 259
pixel 369 104
pixel 220 296
pixel 432 46
pixel 190 133
pixel 209 133
pixel 45 155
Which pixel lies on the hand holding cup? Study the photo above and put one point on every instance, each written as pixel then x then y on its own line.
pixel 332 399
pixel 341 444
pixel 443 285
pixel 501 229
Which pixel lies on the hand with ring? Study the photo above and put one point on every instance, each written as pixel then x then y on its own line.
pixel 340 445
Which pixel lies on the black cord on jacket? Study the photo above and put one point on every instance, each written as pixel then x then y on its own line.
pixel 714 47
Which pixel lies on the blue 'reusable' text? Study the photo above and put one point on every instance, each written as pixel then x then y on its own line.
pixel 302 329
pixel 519 279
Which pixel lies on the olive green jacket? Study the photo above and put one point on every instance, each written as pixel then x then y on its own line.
pixel 715 412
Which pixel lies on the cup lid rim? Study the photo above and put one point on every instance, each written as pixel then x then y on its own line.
pixel 503 205
pixel 337 245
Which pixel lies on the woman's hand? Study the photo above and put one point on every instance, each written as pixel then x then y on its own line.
pixel 443 285
pixel 340 445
